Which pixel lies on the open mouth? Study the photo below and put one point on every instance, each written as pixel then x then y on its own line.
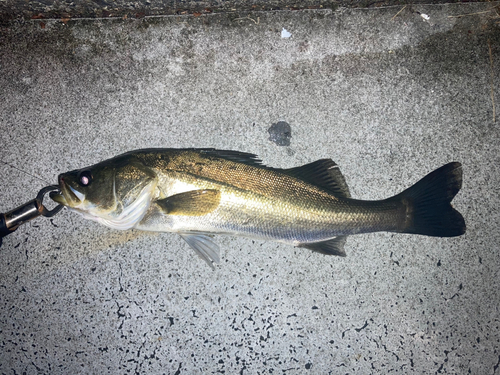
pixel 69 196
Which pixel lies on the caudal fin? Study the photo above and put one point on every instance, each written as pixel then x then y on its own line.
pixel 429 203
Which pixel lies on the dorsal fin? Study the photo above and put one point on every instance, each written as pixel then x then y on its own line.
pixel 237 156
pixel 323 173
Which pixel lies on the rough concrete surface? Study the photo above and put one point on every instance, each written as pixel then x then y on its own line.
pixel 389 94
pixel 42 9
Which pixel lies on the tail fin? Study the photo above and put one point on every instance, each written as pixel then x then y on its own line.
pixel 429 208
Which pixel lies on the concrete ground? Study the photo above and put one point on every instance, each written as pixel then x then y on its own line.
pixel 389 94
pixel 43 9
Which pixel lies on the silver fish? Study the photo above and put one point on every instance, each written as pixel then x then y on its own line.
pixel 195 192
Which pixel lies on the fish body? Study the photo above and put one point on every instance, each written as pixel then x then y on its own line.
pixel 195 192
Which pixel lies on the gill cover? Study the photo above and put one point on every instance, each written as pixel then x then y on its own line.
pixel 116 192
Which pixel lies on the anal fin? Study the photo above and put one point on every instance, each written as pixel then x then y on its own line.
pixel 204 247
pixel 334 246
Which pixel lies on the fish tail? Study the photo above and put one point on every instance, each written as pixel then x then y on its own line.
pixel 428 202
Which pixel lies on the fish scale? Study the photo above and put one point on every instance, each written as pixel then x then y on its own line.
pixel 196 192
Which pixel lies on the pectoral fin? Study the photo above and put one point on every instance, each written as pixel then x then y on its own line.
pixel 335 246
pixel 204 247
pixel 191 203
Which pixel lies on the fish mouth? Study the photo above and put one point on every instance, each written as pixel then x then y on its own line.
pixel 68 196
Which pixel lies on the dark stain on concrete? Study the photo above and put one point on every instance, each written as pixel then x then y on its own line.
pixel 280 133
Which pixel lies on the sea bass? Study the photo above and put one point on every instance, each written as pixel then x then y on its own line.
pixel 196 192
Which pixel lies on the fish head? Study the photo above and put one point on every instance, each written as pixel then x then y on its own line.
pixel 116 192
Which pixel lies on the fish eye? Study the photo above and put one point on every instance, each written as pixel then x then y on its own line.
pixel 85 178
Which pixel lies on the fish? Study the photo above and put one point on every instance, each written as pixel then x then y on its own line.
pixel 197 193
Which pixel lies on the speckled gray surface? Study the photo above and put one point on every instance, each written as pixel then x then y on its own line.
pixel 388 96
pixel 44 9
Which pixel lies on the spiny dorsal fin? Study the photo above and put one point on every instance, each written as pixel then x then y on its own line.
pixel 334 246
pixel 236 156
pixel 191 203
pixel 323 173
